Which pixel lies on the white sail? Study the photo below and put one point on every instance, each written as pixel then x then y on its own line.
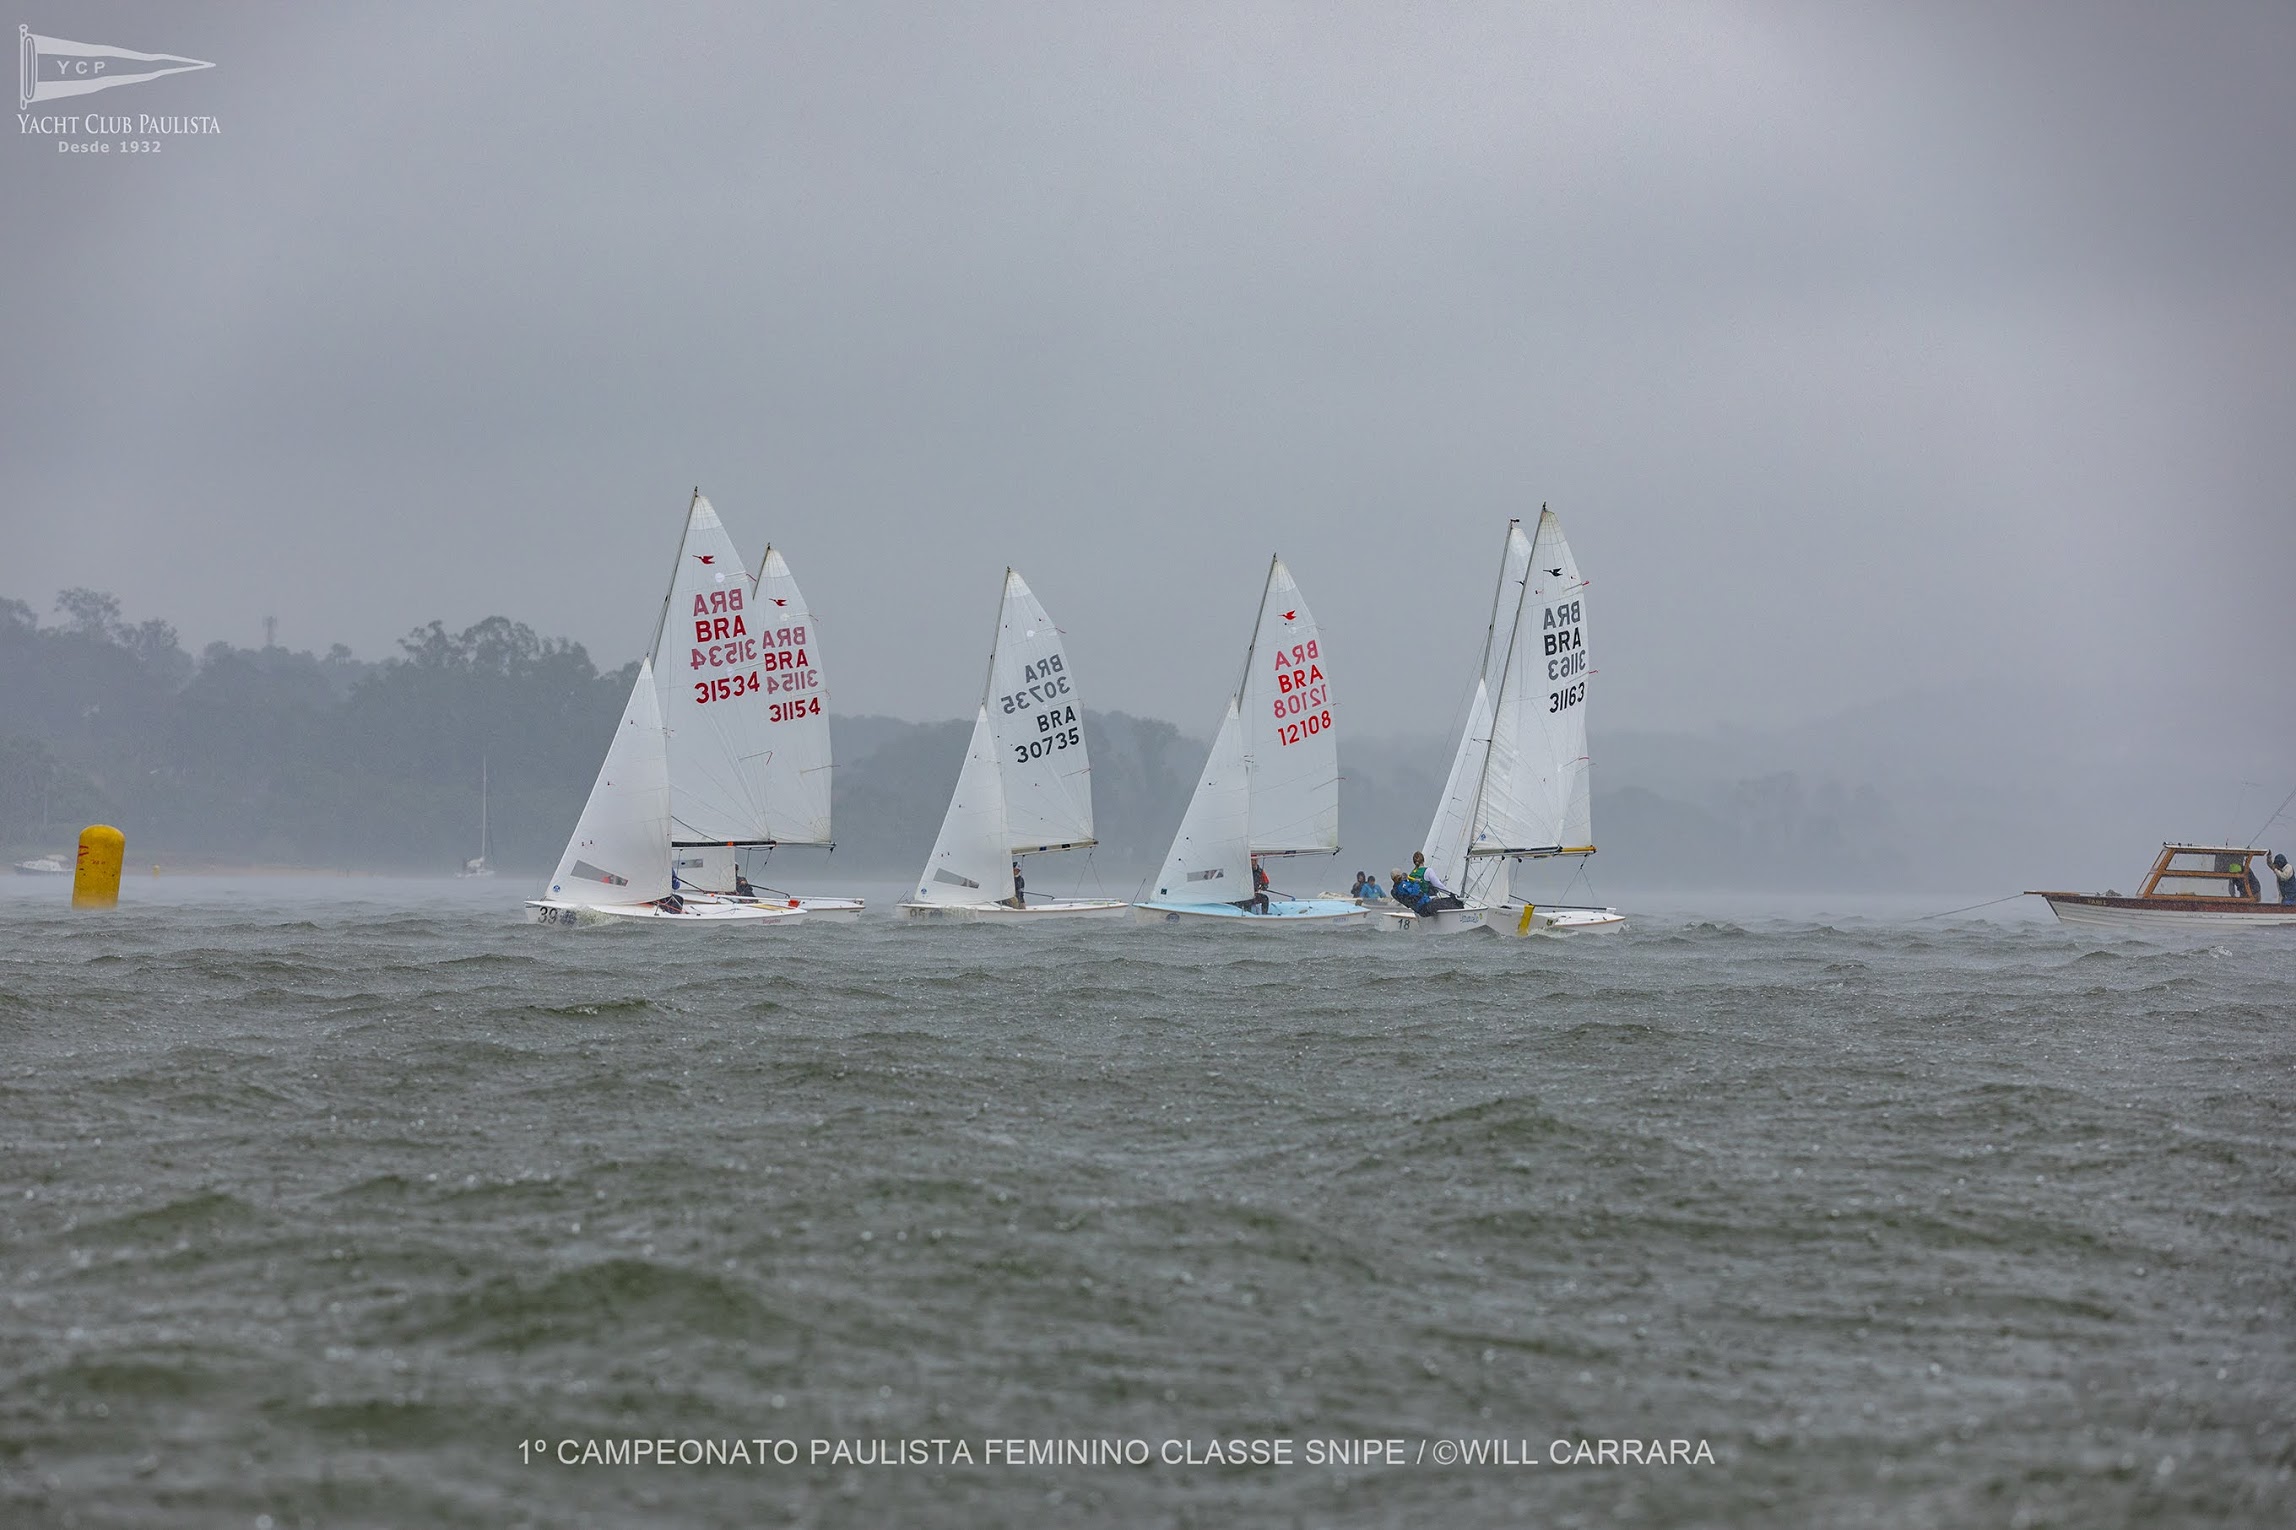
pixel 1552 776
pixel 711 672
pixel 1033 709
pixel 793 778
pixel 1447 836
pixel 620 852
pixel 1504 815
pixel 972 860
pixel 1290 748
pixel 1210 860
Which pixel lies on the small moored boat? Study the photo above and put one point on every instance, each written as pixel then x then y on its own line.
pixel 2191 888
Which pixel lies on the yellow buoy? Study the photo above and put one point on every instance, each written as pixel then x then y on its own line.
pixel 96 882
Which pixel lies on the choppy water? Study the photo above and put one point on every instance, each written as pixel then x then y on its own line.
pixel 313 1206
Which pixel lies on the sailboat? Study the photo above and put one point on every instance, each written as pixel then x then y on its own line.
pixel 1270 785
pixel 1518 788
pixel 1026 784
pixel 480 866
pixel 617 865
pixel 738 665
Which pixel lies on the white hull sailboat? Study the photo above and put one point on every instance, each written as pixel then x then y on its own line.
pixel 1518 790
pixel 1026 785
pixel 1270 786
pixel 616 868
pixel 738 663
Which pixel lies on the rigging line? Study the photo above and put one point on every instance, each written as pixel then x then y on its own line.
pixel 2275 818
pixel 2011 898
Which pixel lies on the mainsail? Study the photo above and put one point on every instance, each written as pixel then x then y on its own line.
pixel 711 670
pixel 793 778
pixel 1291 753
pixel 1035 713
pixel 620 852
pixel 1552 774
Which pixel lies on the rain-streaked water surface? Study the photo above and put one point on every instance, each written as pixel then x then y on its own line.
pixel 317 1204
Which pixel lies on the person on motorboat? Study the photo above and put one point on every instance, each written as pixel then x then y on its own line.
pixel 2241 885
pixel 2285 874
pixel 1019 898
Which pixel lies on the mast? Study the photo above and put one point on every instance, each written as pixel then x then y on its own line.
pixel 1252 648
pixel 662 622
pixel 996 638
pixel 1498 590
pixel 482 809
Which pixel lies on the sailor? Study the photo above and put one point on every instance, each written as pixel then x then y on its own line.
pixel 1366 888
pixel 1019 898
pixel 1405 891
pixel 1258 901
pixel 1423 876
pixel 741 887
pixel 2286 875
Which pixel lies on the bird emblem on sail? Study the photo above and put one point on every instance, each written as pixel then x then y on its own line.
pixel 705 559
pixel 1290 616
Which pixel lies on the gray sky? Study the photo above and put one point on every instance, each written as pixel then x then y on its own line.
pixel 1861 349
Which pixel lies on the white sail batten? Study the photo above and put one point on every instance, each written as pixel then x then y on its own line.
pixel 1033 708
pixel 1553 772
pixel 1291 751
pixel 1210 860
pixel 706 664
pixel 620 852
pixel 972 860
pixel 793 775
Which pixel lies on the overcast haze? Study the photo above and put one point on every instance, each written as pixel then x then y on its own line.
pixel 1862 349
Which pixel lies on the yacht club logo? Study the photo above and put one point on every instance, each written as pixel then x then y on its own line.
pixel 49 68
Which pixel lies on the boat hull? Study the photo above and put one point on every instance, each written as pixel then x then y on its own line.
pixel 1447 921
pixel 1304 913
pixel 2165 916
pixel 695 914
pixel 1005 913
pixel 1528 919
pixel 816 910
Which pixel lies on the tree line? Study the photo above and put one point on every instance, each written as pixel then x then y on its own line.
pixel 279 757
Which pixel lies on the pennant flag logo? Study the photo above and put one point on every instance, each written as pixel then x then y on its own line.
pixel 49 68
